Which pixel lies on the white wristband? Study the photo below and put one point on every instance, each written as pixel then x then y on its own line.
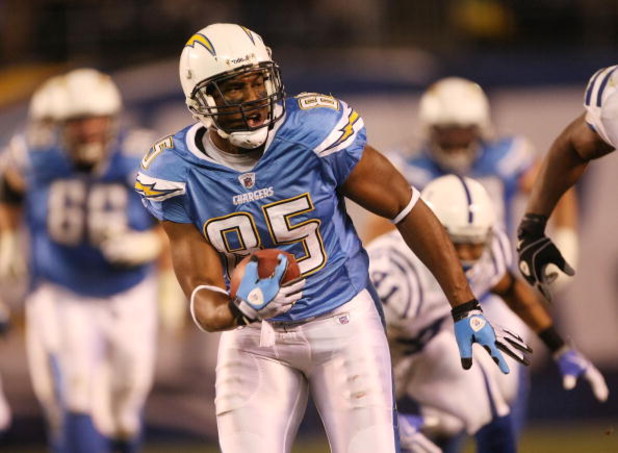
pixel 405 211
pixel 216 289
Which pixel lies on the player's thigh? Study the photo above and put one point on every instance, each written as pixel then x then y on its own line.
pixel 260 401
pixel 81 348
pixel 42 344
pixel 439 381
pixel 125 378
pixel 351 380
pixel 131 326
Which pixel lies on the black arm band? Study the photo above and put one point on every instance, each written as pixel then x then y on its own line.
pixel 509 289
pixel 551 338
pixel 239 316
pixel 461 311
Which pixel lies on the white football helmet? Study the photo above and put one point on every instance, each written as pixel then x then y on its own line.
pixel 44 111
pixel 454 102
pixel 46 103
pixel 463 206
pixel 221 52
pixel 89 95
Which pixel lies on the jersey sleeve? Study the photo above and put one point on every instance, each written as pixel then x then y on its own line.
pixel 334 131
pixel 161 182
pixel 601 104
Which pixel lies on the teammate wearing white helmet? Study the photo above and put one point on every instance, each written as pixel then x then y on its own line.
pixel 591 135
pixel 92 248
pixel 261 171
pixel 419 329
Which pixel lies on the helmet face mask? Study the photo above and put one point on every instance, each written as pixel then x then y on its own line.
pixel 88 138
pixel 455 147
pixel 222 98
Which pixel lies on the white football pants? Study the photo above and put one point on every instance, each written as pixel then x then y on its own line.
pixel 342 358
pixel 93 355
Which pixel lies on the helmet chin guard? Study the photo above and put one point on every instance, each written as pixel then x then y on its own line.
pixel 246 140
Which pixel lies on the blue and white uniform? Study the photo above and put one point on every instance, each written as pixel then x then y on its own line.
pixel 332 342
pixel 69 213
pixel 601 104
pixel 422 341
pixel 498 166
pixel 81 309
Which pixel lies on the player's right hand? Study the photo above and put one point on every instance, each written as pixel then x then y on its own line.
pixel 536 252
pixel 574 365
pixel 263 298
pixel 471 326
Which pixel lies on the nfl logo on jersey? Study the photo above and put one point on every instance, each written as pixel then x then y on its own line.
pixel 247 180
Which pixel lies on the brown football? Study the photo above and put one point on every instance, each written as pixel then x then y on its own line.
pixel 267 261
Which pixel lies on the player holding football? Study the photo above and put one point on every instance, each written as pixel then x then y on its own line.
pixel 261 171
pixel 590 136
pixel 421 335
pixel 91 310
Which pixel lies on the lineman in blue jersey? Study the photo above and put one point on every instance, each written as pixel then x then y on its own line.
pixel 260 171
pixel 92 247
pixel 591 135
pixel 420 332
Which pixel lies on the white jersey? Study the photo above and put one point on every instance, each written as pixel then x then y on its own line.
pixel 413 300
pixel 601 103
pixel 422 342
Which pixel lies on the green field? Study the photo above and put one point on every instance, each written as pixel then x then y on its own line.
pixel 593 438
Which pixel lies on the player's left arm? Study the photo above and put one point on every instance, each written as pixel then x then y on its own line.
pixel 572 364
pixel 378 186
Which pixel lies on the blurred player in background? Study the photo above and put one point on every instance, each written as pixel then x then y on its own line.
pixel 261 171
pixel 91 311
pixel 5 410
pixel 420 333
pixel 459 138
pixel 591 135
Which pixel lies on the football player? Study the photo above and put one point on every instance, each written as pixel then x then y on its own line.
pixel 259 170
pixel 420 333
pixel 91 309
pixel 5 410
pixel 459 137
pixel 591 135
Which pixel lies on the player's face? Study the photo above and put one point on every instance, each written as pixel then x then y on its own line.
pixel 87 138
pixel 469 253
pixel 458 145
pixel 247 90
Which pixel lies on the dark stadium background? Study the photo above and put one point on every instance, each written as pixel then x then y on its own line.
pixel 533 58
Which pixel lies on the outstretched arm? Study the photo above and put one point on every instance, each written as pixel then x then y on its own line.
pixel 564 164
pixel 572 364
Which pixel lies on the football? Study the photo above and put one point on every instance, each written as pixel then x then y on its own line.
pixel 267 261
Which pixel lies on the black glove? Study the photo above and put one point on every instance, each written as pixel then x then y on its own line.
pixel 536 251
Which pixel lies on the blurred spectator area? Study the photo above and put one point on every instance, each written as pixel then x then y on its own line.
pixel 407 42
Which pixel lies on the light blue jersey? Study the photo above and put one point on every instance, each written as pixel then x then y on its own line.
pixel 289 200
pixel 68 213
pixel 498 166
